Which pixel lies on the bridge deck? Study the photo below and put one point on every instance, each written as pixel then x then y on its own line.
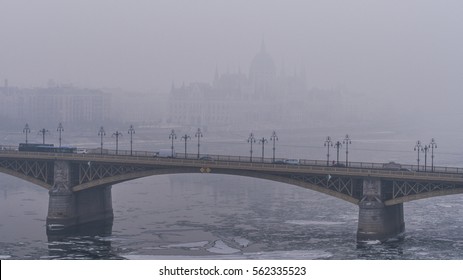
pixel 355 169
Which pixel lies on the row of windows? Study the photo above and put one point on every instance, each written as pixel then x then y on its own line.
pixel 52 107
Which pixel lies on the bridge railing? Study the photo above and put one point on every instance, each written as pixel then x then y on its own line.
pixel 248 159
pixel 323 163
pixel 229 158
pixel 375 165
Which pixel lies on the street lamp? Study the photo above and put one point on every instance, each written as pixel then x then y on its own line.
pixel 338 145
pixel 131 131
pixel 251 140
pixel 198 135
pixel 274 138
pixel 347 142
pixel 26 130
pixel 60 129
pixel 172 136
pixel 263 141
pixel 433 145
pixel 117 134
pixel 418 148
pixel 328 143
pixel 185 138
pixel 101 133
pixel 43 131
pixel 425 149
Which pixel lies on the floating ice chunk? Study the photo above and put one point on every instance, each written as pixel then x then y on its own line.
pixel 292 255
pixel 221 248
pixel 275 255
pixel 371 242
pixel 444 205
pixel 307 223
pixel 243 242
pixel 189 245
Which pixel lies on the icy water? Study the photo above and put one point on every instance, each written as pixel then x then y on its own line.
pixel 225 217
pixel 206 216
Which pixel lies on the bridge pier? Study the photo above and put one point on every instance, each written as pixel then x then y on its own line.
pixel 94 205
pixel 68 210
pixel 376 220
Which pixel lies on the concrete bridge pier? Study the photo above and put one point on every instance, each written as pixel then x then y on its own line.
pixel 376 220
pixel 94 205
pixel 68 210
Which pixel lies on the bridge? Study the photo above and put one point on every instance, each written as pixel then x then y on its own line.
pixel 79 185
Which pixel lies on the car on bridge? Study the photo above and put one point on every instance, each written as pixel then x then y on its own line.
pixel 206 158
pixel 395 166
pixel 166 153
pixel 81 151
pixel 287 161
pixel 392 166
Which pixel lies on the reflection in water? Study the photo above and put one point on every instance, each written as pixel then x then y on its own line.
pixel 390 250
pixel 90 241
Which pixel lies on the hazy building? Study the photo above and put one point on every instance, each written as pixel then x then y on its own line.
pixel 236 99
pixel 269 98
pixel 51 105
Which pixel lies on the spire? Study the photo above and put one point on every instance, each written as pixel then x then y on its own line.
pixel 283 73
pixel 216 75
pixel 262 45
pixel 304 74
pixel 303 71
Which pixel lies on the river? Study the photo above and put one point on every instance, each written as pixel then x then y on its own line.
pixel 204 216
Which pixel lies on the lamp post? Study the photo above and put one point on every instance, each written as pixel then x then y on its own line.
pixel 131 131
pixel 433 145
pixel 60 129
pixel 347 141
pixel 43 131
pixel 263 141
pixel 117 134
pixel 274 138
pixel 338 145
pixel 172 136
pixel 251 140
pixel 198 135
pixel 328 143
pixel 26 130
pixel 185 138
pixel 101 133
pixel 425 149
pixel 418 148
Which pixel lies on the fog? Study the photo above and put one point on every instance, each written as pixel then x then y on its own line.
pixel 387 73
pixel 398 57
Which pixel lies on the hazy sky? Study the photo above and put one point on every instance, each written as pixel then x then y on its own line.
pixel 400 48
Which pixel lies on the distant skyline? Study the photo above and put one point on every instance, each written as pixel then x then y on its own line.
pixel 406 49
